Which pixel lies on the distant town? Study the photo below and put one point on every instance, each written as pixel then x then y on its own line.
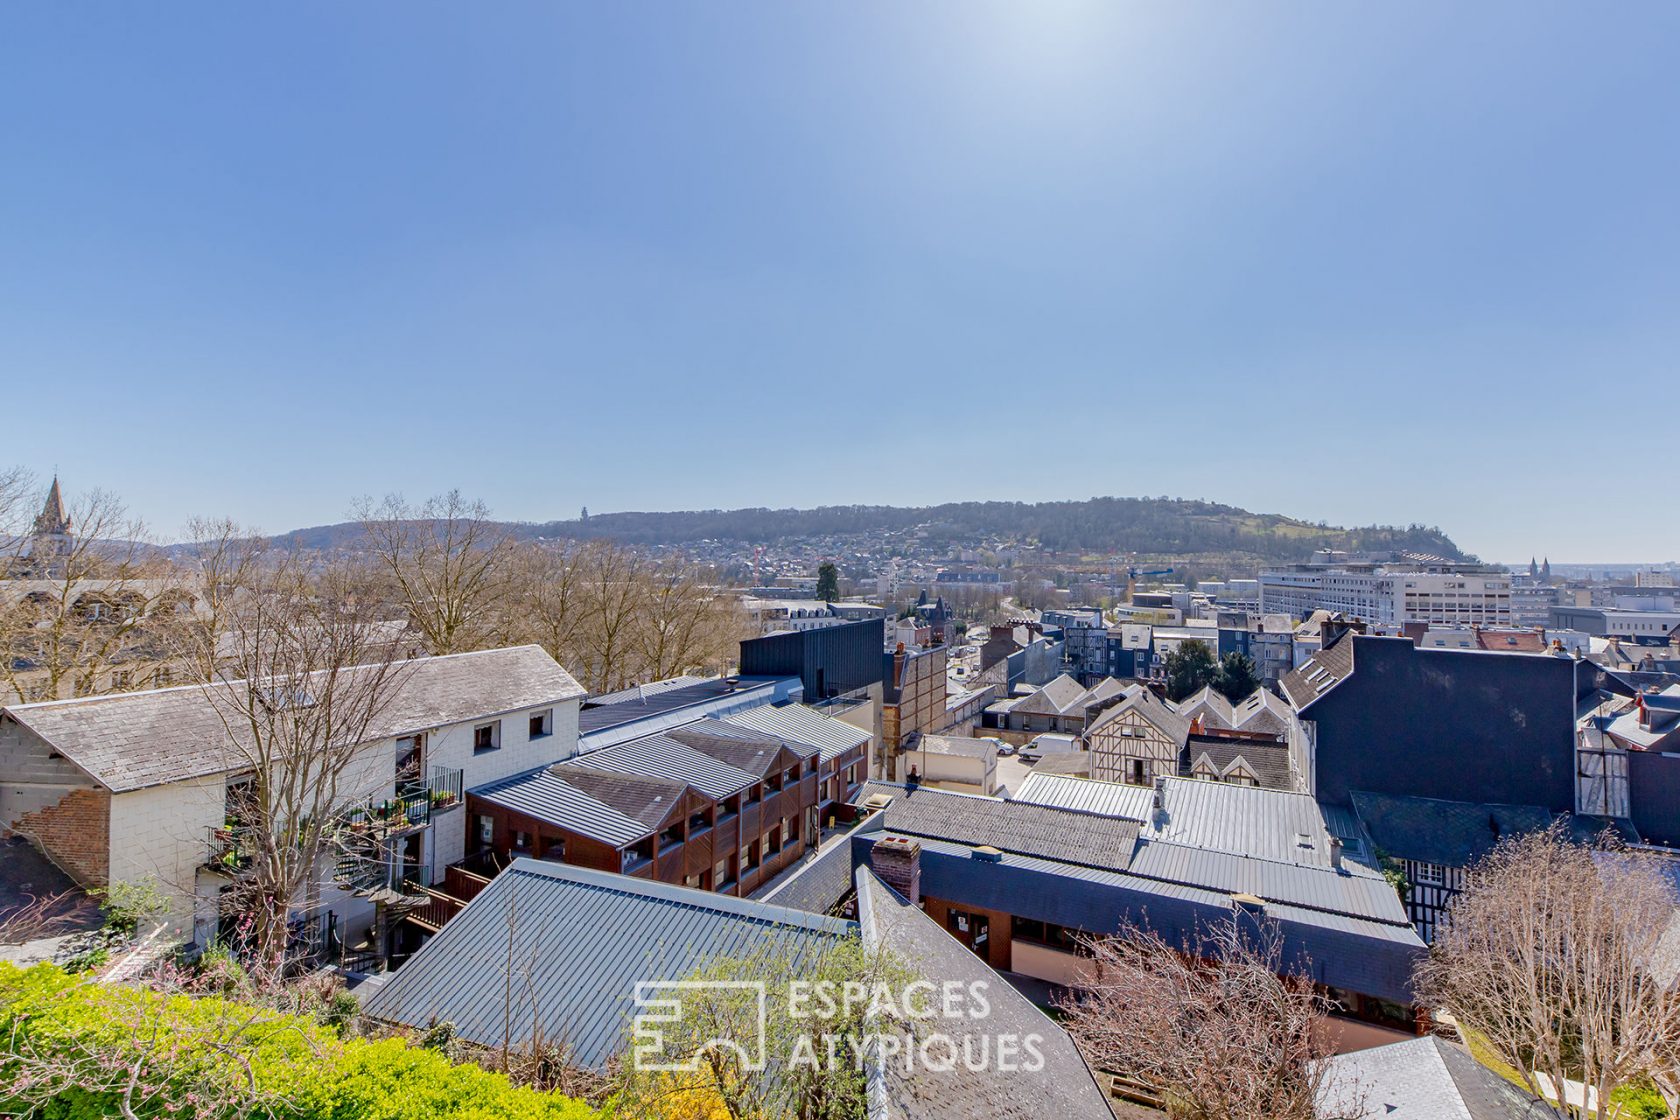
pixel 363 755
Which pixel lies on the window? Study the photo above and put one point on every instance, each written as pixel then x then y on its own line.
pixel 487 737
pixel 542 724
pixel 1431 874
pixel 521 841
pixel 486 831
pixel 1137 772
pixel 555 850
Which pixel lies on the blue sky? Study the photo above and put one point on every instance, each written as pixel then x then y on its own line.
pixel 1413 263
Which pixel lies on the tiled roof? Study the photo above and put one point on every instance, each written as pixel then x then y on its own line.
pixel 795 723
pixel 1056 1084
pixel 580 940
pixel 549 795
pixel 663 757
pixel 1268 762
pixel 741 747
pixel 1055 834
pixel 1059 697
pixel 138 739
pixel 1319 673
pixel 1260 713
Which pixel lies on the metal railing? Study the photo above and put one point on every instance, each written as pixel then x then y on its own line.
pixel 411 808
pixel 230 849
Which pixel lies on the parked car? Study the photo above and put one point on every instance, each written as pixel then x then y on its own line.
pixel 1003 748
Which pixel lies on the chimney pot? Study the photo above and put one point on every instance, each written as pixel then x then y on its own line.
pixel 1336 852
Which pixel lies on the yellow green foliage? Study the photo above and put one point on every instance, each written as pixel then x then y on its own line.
pixel 72 1049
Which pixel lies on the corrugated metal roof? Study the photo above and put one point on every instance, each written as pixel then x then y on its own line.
pixel 562 948
pixel 1314 888
pixel 546 795
pixel 663 757
pixel 1059 834
pixel 1253 821
pixel 797 723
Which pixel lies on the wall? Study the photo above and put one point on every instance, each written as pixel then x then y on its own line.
pixel 1462 726
pixel 1045 963
pixel 162 834
pixel 1654 788
pixel 31 779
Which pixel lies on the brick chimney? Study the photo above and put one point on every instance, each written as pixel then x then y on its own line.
pixel 898 862
pixel 898 666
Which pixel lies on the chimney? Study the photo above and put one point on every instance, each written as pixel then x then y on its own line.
pixel 1336 853
pixel 1160 794
pixel 898 666
pixel 898 862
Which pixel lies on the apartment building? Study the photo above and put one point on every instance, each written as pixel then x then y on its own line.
pixel 146 786
pixel 1389 592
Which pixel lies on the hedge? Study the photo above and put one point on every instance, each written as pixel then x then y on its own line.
pixel 68 1046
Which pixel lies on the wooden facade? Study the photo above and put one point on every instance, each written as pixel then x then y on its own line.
pixel 1129 748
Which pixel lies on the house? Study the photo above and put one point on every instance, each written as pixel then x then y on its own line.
pixel 1137 740
pixel 842 748
pixel 948 762
pixel 1020 884
pixel 146 786
pixel 710 804
pixel 1061 706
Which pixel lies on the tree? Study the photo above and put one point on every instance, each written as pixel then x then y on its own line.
pixel 828 581
pixel 300 675
pixel 1214 1029
pixel 1236 678
pixel 445 561
pixel 1189 668
pixel 83 618
pixel 1557 957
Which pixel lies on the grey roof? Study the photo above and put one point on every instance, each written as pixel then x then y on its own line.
pixel 1448 833
pixel 741 747
pixel 138 739
pixel 547 795
pixel 580 941
pixel 623 706
pixel 1344 951
pixel 822 883
pixel 1083 839
pixel 1320 673
pixel 1260 713
pixel 1422 1079
pixel 1268 762
pixel 638 796
pixel 660 756
pixel 1059 697
pixel 1364 896
pixel 1073 763
pixel 1061 1086
pixel 1157 712
pixel 796 723
pixel 956 746
pixel 643 692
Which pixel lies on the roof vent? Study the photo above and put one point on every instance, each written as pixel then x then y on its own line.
pixel 875 802
pixel 1249 903
pixel 987 854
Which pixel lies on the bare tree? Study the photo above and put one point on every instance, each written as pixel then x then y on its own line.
pixel 1560 958
pixel 614 584
pixel 686 624
pixel 302 679
pixel 446 561
pixel 1216 1031
pixel 79 615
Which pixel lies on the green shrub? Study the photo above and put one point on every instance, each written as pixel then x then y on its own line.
pixel 1639 1100
pixel 218 1058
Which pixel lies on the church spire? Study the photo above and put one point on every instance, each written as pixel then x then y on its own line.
pixel 54 521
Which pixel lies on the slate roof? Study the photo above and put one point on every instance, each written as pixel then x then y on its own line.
pixel 1448 833
pixel 1260 713
pixel 1059 697
pixel 548 795
pixel 1320 673
pixel 796 723
pixel 660 756
pixel 1155 711
pixel 1061 1086
pixel 822 883
pixel 1268 762
pixel 741 747
pixel 1074 763
pixel 1422 1079
pixel 138 739
pixel 580 941
pixel 1083 839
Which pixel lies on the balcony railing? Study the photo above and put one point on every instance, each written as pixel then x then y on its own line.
pixel 230 849
pixel 411 808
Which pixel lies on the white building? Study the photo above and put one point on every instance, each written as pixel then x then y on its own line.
pixel 142 786
pixel 1392 595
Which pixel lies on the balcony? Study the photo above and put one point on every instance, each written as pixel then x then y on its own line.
pixel 231 849
pixel 410 809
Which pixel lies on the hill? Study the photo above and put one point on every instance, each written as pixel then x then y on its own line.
pixel 1165 527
